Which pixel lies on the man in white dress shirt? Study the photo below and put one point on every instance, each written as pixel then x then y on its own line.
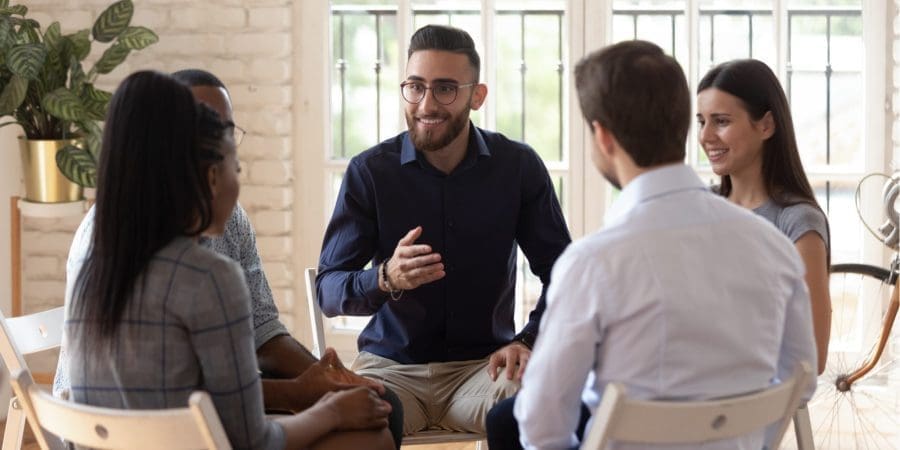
pixel 682 294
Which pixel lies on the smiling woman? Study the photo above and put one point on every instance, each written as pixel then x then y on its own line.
pixel 746 129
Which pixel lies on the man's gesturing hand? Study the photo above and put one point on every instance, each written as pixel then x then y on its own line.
pixel 412 265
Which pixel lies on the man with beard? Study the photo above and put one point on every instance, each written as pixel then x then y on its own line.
pixel 439 211
pixel 682 295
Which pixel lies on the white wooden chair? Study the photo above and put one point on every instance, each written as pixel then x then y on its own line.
pixel 21 336
pixel 195 427
pixel 803 429
pixel 425 437
pixel 623 419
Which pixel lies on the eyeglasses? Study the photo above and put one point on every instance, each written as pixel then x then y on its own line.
pixel 237 132
pixel 444 93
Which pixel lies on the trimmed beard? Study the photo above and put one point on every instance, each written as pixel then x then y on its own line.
pixel 428 141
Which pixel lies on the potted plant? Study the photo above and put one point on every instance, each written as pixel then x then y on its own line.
pixel 46 90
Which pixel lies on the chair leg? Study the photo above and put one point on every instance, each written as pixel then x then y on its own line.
pixel 803 429
pixel 15 426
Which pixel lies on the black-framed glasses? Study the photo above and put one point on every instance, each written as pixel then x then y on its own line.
pixel 444 93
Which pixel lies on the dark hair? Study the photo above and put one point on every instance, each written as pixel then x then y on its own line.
pixel 639 94
pixel 759 91
pixel 158 145
pixel 198 77
pixel 448 39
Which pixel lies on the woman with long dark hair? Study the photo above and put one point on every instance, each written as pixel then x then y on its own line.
pixel 154 315
pixel 747 133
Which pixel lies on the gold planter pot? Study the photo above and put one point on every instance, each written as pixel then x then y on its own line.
pixel 44 183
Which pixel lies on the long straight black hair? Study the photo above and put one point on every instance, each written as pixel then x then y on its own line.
pixel 152 187
pixel 758 89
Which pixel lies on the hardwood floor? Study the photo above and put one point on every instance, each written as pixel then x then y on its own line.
pixel 28 442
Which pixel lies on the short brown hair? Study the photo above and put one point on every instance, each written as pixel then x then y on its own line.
pixel 448 39
pixel 641 95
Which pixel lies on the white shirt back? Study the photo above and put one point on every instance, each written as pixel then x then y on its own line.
pixel 681 296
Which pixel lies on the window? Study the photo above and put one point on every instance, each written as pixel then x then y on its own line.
pixel 523 65
pixel 825 52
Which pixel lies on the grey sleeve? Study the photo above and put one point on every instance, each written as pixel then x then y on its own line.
pixel 796 220
pixel 239 243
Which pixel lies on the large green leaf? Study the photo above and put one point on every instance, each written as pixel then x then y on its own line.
pixel 28 31
pixel 19 10
pixel 76 75
pixel 95 109
pixel 92 93
pixel 136 38
pixel 92 136
pixel 81 44
pixel 113 21
pixel 26 60
pixel 53 36
pixel 7 38
pixel 13 94
pixel 77 165
pixel 111 58
pixel 63 104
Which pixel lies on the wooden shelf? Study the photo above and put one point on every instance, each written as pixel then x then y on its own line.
pixel 20 207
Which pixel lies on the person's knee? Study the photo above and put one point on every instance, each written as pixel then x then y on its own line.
pixel 504 388
pixel 395 419
pixel 500 417
pixel 502 427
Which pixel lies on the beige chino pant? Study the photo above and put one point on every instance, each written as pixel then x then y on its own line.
pixel 450 395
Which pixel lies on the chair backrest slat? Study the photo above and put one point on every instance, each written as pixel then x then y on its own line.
pixel 315 313
pixel 110 428
pixel 29 334
pixel 623 419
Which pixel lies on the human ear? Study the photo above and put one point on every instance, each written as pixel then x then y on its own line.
pixel 212 175
pixel 767 125
pixel 603 138
pixel 479 94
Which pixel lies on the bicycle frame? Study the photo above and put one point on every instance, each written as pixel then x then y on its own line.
pixel 843 384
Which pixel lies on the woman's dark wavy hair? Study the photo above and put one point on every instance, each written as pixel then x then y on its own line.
pixel 158 145
pixel 759 90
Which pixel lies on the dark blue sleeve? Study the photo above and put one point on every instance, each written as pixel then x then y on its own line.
pixel 344 287
pixel 541 233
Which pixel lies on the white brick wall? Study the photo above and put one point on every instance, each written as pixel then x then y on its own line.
pixel 248 45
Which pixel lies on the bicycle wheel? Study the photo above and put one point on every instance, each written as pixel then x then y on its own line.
pixel 867 413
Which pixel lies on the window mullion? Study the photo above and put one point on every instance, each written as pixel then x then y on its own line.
pixel 692 16
pixel 404 28
pixel 488 62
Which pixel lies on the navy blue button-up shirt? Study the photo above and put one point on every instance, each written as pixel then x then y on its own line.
pixel 498 197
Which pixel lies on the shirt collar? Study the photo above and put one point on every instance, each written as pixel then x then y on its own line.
pixel 408 150
pixel 653 184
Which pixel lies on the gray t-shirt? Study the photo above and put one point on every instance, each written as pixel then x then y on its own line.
pixel 796 220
